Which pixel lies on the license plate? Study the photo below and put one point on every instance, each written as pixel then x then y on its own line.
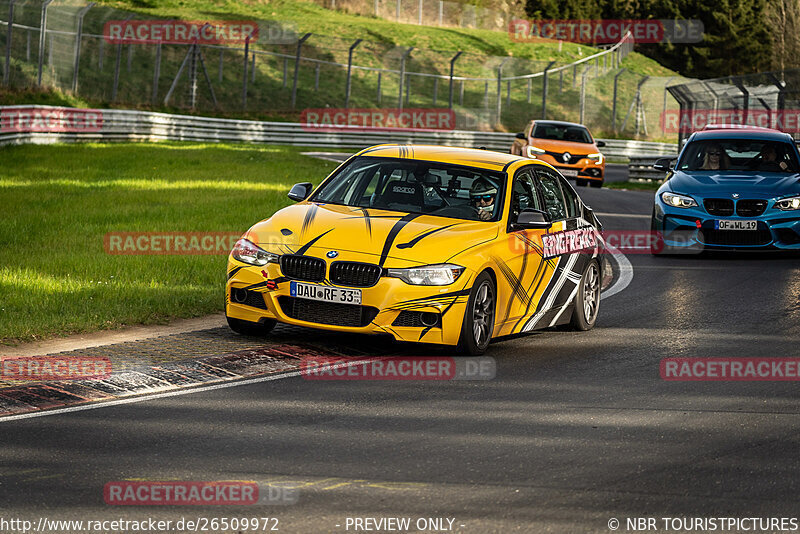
pixel 569 172
pixel 325 293
pixel 735 225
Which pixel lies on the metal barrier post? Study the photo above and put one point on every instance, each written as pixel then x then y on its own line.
pixel 452 67
pixel 116 67
pixel 244 72
pixel 78 35
pixel 499 88
pixel 544 89
pixel 435 90
pixel 583 91
pixel 42 32
pixel 6 72
pixel 350 71
pixel 297 67
pixel 156 72
pixel 614 104
pixel 403 59
pixel 664 107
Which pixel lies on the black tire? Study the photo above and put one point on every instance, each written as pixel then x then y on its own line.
pixel 580 182
pixel 596 183
pixel 474 339
pixel 587 300
pixel 248 328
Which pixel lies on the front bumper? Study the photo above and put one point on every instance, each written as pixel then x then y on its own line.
pixel 694 228
pixel 381 305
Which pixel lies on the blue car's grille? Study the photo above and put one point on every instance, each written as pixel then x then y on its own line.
pixel 736 238
pixel 719 206
pixel 750 207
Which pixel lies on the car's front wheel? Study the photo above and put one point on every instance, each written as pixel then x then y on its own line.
pixel 478 323
pixel 248 328
pixel 587 300
pixel 580 182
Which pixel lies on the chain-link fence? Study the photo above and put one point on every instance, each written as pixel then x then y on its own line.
pixel 264 69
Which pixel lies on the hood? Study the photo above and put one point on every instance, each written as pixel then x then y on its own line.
pixel 554 145
pixel 317 228
pixel 747 184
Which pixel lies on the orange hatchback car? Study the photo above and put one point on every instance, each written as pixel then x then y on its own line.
pixel 567 146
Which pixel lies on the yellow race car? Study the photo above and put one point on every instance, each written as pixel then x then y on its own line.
pixel 427 244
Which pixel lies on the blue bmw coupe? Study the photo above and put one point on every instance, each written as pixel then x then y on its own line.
pixel 730 189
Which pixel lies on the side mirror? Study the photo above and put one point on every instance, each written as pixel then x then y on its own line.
pixel 663 164
pixel 532 220
pixel 521 135
pixel 600 144
pixel 300 191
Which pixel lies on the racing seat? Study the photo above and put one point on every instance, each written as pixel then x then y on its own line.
pixel 399 193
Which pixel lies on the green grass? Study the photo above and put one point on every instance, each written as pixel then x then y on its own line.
pixel 633 186
pixel 60 200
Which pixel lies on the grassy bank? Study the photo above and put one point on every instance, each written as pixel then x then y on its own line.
pixel 59 202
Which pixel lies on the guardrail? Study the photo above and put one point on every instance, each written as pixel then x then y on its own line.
pixel 47 124
pixel 640 168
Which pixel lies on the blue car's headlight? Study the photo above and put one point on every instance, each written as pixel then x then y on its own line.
pixel 248 252
pixel 678 201
pixel 788 204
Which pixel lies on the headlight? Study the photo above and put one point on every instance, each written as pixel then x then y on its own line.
pixel 534 150
pixel 788 204
pixel 430 275
pixel 597 156
pixel 248 252
pixel 678 201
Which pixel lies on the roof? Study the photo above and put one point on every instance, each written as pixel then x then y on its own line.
pixel 558 123
pixel 742 133
pixel 471 157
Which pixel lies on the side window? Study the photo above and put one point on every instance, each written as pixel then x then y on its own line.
pixel 573 205
pixel 553 197
pixel 523 194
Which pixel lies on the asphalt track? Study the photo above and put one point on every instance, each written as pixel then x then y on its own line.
pixel 575 429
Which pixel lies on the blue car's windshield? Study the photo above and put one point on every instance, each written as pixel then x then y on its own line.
pixel 749 155
pixel 414 186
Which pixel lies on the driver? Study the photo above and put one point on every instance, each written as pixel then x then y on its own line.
pixel 482 195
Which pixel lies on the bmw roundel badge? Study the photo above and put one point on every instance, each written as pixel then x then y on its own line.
pixel 332 254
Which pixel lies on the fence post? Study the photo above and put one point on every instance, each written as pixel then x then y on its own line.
pixel 380 75
pixel 116 67
pixel 461 94
pixel 100 52
pixel 156 72
pixel 397 11
pixel 221 59
pixel 244 75
pixel 297 67
pixel 614 104
pixel 530 86
pixel 42 32
pixel 664 108
pixel 376 8
pixel 499 88
pixel 419 14
pixel 193 74
pixel 78 35
pixel 441 12
pixel 574 76
pixel 285 71
pixel 253 67
pixel 435 90
pixel 403 59
pixel 452 67
pixel 583 91
pixel 6 72
pixel 316 78
pixel 349 71
pixel 544 89
pixel 28 46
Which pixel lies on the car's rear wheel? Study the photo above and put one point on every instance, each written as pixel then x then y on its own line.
pixel 249 328
pixel 587 300
pixel 580 182
pixel 478 323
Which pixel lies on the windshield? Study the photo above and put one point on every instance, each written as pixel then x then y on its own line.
pixel 416 187
pixel 562 132
pixel 751 155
